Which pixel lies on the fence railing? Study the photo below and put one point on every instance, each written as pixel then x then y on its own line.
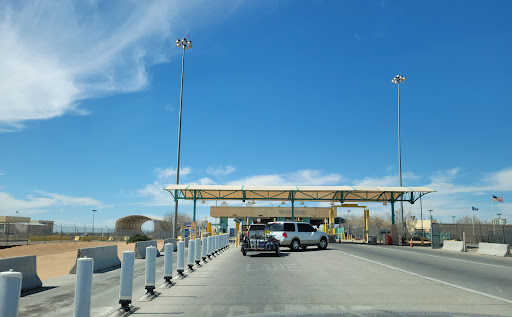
pixel 479 232
pixel 20 234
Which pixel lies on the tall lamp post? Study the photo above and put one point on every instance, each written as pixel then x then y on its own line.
pixel 184 43
pixel 93 212
pixel 398 79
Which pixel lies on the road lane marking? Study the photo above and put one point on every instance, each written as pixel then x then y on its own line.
pixel 430 278
pixel 442 257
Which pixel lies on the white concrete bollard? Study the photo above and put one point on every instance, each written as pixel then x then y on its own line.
pixel 150 270
pixel 83 287
pixel 209 247
pixel 204 249
pixel 126 288
pixel 10 291
pixel 168 253
pixel 198 251
pixel 191 254
pixel 180 264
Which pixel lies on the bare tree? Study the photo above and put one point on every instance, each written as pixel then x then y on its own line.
pixel 169 220
pixel 469 220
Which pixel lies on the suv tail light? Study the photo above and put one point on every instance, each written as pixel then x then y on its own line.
pixel 285 235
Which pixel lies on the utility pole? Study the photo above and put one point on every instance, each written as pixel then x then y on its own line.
pixel 398 79
pixel 185 43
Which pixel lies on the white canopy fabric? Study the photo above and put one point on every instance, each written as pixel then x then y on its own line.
pixel 298 193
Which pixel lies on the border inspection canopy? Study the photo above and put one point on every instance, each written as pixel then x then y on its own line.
pixel 298 193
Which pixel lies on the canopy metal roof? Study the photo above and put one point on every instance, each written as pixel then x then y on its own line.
pixel 297 193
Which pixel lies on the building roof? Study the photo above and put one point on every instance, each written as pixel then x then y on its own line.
pixel 297 193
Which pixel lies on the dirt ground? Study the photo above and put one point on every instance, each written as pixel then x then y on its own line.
pixel 56 259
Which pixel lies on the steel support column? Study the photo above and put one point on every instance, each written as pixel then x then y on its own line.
pixel 392 213
pixel 195 201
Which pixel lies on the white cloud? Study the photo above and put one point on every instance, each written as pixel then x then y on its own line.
pixel 260 180
pixel 501 180
pixel 38 204
pixel 155 191
pixel 301 177
pixel 170 108
pixel 222 171
pixel 386 181
pixel 55 54
pixel 166 173
pixel 206 181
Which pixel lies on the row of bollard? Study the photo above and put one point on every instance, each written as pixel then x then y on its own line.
pixel 10 282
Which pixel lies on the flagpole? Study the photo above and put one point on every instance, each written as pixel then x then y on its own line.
pixel 493 228
pixel 473 208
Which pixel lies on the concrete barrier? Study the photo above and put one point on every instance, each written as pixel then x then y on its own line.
pixel 496 249
pixel 104 257
pixel 457 246
pixel 140 248
pixel 174 243
pixel 26 265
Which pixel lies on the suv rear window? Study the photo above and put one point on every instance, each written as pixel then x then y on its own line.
pixel 287 227
pixel 304 227
pixel 257 227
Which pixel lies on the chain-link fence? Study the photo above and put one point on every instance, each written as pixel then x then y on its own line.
pixel 34 233
pixel 479 232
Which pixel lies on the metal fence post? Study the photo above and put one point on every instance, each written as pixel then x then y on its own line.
pixel 7 235
pixel 28 233
pixel 60 233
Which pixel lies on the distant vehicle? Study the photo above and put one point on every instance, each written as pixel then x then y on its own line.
pixel 259 239
pixel 256 231
pixel 297 235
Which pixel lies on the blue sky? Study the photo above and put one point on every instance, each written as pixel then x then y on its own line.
pixel 283 92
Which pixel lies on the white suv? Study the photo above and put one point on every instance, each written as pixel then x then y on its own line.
pixel 297 235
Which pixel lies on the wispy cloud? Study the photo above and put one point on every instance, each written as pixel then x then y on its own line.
pixel 55 54
pixel 386 181
pixel 221 171
pixel 301 177
pixel 33 204
pixel 155 191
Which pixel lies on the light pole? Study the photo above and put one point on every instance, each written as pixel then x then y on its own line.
pixel 93 212
pixel 349 220
pixel 430 211
pixel 398 79
pixel 454 219
pixel 421 216
pixel 17 213
pixel 184 43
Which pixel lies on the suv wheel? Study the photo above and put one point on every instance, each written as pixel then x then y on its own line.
pixel 295 246
pixel 323 244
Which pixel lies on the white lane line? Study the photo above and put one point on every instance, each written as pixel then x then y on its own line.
pixel 508 301
pixel 442 257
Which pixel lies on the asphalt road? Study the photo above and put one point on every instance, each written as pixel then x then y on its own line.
pixel 487 274
pixel 346 280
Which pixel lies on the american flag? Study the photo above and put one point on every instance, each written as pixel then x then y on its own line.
pixel 494 198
